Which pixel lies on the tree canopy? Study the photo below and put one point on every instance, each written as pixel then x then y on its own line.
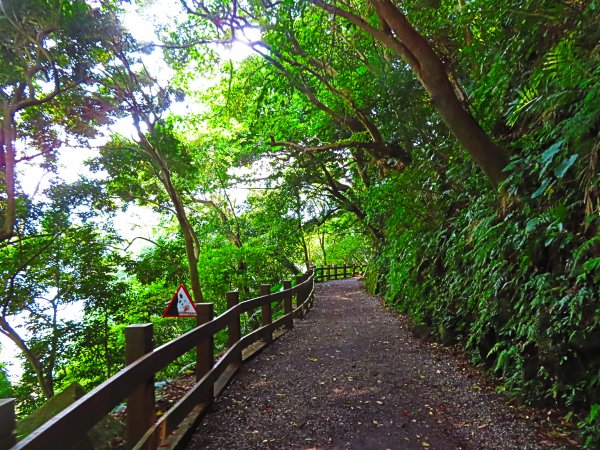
pixel 451 145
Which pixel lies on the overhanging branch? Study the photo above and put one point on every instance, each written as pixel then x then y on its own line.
pixel 378 148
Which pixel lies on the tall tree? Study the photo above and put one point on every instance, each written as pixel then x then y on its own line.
pixel 394 32
pixel 155 145
pixel 54 265
pixel 48 49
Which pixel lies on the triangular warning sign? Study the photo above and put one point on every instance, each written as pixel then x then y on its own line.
pixel 181 305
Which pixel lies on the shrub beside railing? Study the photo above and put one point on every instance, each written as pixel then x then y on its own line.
pixel 136 381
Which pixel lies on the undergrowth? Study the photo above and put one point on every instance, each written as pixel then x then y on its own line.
pixel 514 274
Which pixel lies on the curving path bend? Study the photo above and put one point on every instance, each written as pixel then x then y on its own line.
pixel 352 376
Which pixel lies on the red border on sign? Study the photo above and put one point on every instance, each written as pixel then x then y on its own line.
pixel 175 298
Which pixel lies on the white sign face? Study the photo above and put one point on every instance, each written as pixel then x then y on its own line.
pixel 181 305
pixel 185 306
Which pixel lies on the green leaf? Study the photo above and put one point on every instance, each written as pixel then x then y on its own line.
pixel 551 151
pixel 594 413
pixel 532 225
pixel 541 189
pixel 564 166
pixel 549 154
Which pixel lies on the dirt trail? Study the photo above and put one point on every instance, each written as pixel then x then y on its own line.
pixel 352 376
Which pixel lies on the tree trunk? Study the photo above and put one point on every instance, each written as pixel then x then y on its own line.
pixel 285 262
pixel 434 78
pixel 7 168
pixel 192 249
pixel 106 346
pixel 303 240
pixel 361 166
pixel 430 70
pixel 346 203
pixel 36 364
pixel 191 246
pixel 305 250
pixel 322 245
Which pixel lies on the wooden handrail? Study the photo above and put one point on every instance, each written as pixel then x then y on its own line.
pixel 69 426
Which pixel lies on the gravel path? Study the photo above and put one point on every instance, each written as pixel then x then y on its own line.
pixel 352 376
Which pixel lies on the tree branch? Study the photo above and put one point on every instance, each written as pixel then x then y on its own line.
pixel 380 148
pixel 383 36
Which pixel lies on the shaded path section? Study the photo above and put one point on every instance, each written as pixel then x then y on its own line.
pixel 352 376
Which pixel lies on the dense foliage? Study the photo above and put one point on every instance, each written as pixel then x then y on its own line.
pixel 452 144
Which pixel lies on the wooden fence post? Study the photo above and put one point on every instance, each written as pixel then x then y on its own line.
pixel 345 271
pixel 335 272
pixel 298 292
pixel 266 317
pixel 329 272
pixel 353 270
pixel 205 358
pixel 234 329
pixel 304 295
pixel 287 304
pixel 7 423
pixel 311 298
pixel 141 412
pixel 307 299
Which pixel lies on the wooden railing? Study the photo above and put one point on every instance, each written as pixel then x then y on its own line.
pixel 136 381
pixel 334 272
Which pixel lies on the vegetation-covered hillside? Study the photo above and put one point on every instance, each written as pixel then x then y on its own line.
pixel 451 144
